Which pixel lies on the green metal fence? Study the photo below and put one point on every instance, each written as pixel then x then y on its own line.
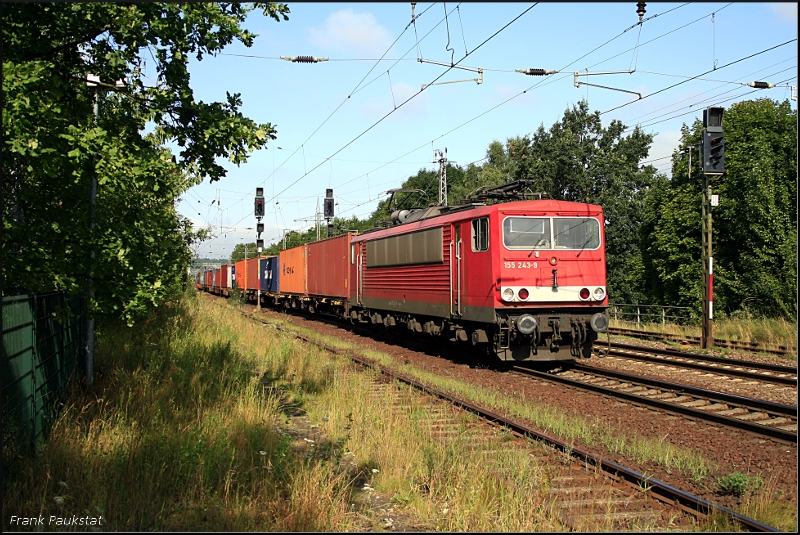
pixel 42 350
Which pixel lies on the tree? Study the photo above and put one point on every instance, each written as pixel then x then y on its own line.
pixel 754 228
pixel 241 250
pixel 54 143
pixel 672 230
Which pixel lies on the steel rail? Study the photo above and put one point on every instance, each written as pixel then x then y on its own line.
pixel 780 368
pixel 734 401
pixel 760 404
pixel 663 492
pixel 670 354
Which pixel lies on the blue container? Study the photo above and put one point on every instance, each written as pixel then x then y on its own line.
pixel 214 278
pixel 233 276
pixel 270 274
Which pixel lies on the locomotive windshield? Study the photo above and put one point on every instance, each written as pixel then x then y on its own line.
pixel 535 233
pixel 526 232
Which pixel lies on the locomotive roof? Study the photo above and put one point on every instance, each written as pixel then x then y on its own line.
pixel 433 212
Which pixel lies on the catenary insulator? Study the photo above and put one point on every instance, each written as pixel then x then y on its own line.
pixel 536 72
pixel 761 85
pixel 640 10
pixel 304 59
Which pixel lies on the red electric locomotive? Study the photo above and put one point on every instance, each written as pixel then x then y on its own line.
pixel 525 280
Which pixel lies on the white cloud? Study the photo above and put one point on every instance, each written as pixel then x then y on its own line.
pixel 787 11
pixel 351 32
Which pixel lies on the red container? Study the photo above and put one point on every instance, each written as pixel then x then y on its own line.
pixel 250 274
pixel 209 277
pixel 294 271
pixel 328 269
pixel 222 280
pixel 247 274
pixel 240 275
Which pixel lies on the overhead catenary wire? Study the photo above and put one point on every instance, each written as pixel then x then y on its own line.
pixel 508 100
pixel 495 108
pixel 660 36
pixel 406 101
pixel 537 84
pixel 699 75
pixel 695 104
pixel 716 102
pixel 354 91
pixel 528 89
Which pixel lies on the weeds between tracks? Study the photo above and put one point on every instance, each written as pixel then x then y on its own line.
pixel 768 332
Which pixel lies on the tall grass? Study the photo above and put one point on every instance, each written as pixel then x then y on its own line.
pixel 179 433
pixel 447 484
pixel 769 332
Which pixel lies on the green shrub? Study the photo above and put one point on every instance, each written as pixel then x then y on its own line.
pixel 738 484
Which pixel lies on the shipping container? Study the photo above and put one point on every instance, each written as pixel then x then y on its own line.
pixel 251 274
pixel 240 274
pixel 270 274
pixel 293 270
pixel 223 276
pixel 209 277
pixel 230 276
pixel 328 266
pixel 247 274
pixel 233 276
pixel 214 277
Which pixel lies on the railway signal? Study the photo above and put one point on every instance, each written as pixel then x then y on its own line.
pixel 328 207
pixel 713 164
pixel 713 142
pixel 259 203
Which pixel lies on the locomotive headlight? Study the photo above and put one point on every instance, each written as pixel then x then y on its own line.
pixel 526 324
pixel 584 294
pixel 508 294
pixel 599 294
pixel 599 322
pixel 523 294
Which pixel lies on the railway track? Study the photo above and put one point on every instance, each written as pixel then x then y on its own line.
pixel 783 351
pixel 759 371
pixel 763 418
pixel 590 486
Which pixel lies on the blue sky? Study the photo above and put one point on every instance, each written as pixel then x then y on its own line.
pixel 362 126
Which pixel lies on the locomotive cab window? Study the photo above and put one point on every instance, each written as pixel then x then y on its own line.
pixel 526 232
pixel 480 234
pixel 576 233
